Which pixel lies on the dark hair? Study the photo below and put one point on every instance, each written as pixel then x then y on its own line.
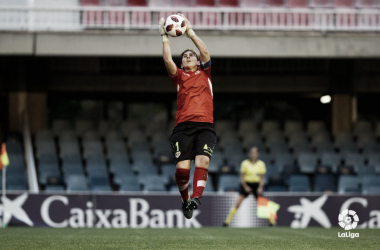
pixel 180 59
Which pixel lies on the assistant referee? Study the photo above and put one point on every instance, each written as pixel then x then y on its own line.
pixel 252 172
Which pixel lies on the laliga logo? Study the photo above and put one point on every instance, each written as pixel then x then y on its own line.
pixel 348 219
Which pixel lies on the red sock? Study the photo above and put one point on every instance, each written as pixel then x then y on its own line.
pixel 182 177
pixel 199 181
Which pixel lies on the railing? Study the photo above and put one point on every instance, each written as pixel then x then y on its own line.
pixel 146 18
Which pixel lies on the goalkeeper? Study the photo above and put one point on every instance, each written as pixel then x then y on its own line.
pixel 252 172
pixel 193 137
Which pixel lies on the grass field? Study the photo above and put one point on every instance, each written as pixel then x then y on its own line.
pixel 205 238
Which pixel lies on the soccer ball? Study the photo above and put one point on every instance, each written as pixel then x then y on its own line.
pixel 175 26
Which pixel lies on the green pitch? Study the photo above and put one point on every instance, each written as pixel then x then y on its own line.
pixel 205 238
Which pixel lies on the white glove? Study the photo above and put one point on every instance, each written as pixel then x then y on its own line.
pixel 189 30
pixel 161 29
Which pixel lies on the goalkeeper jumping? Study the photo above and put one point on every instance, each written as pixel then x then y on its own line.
pixel 193 137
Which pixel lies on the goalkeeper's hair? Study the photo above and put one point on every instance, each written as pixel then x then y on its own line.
pixel 180 59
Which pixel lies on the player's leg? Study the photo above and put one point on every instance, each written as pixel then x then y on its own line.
pixel 182 151
pixel 204 145
pixel 242 195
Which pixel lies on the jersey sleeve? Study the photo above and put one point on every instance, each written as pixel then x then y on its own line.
pixel 176 79
pixel 206 67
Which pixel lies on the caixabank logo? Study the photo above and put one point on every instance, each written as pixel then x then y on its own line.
pixel 348 219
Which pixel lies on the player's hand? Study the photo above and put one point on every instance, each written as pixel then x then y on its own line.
pixel 161 29
pixel 260 191
pixel 247 189
pixel 189 29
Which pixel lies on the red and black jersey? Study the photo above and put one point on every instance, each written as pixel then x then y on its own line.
pixel 194 95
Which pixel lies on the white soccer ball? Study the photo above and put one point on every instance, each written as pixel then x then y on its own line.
pixel 175 26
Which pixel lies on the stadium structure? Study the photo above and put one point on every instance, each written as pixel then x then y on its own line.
pixel 87 108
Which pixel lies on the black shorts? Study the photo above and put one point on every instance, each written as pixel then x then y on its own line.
pixel 253 186
pixel 192 138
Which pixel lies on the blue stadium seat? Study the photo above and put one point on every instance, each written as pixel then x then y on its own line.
pixel 323 183
pixel 115 148
pixel 362 126
pixel 59 126
pixel 67 136
pixel 366 138
pixel 44 135
pixel 123 178
pixel 168 170
pixel 81 126
pixel 278 148
pixel 368 182
pixel 45 148
pixel 72 168
pixel 69 149
pixel 283 159
pixel 343 138
pixel 48 161
pixel 109 127
pixel 92 148
pixel 44 175
pixel 276 188
pixel 331 159
pixel 269 126
pixel 246 126
pixel 288 171
pixel 345 170
pixel 297 137
pixel 16 180
pixel 129 183
pixel 14 147
pixel 320 137
pixel 347 183
pixel 291 127
pixel 307 162
pixel 301 148
pixel 77 183
pixel 90 135
pixel 274 137
pixel 371 148
pixel 349 148
pixel 299 183
pixel 374 160
pixel 228 183
pixel 54 188
pixel 325 147
pixel 272 170
pixel 121 168
pixel 145 168
pixel 355 160
pixel 315 127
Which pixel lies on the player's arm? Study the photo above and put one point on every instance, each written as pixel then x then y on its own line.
pixel 243 183
pixel 166 51
pixel 204 54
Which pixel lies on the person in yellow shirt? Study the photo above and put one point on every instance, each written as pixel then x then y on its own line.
pixel 252 172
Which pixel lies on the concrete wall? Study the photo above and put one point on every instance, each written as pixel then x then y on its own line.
pixel 237 44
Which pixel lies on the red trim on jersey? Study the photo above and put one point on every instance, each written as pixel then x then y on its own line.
pixel 194 96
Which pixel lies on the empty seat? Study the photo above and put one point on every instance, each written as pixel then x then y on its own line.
pixel 116 148
pixel 275 188
pixel 366 138
pixel 92 148
pixel 331 159
pixel 72 168
pixel 90 135
pixel 300 148
pixel 325 147
pixel 47 160
pixel 316 126
pixel 288 171
pixel 349 148
pixel 347 183
pixel 362 126
pixel 228 183
pixel 109 127
pixel 59 126
pixel 324 183
pixel 274 137
pixel 371 148
pixel 269 126
pixel 307 163
pixel 16 179
pixel 354 160
pixel 366 171
pixel 320 137
pixel 14 147
pixel 67 136
pixel 271 170
pixel 342 138
pixel 141 157
pixel 283 159
pixel 374 160
pixel 291 127
pixel 129 183
pixel 45 147
pixel 119 159
pixel 222 126
pixel 44 135
pixel 145 168
pixel 278 148
pixel 297 137
pixel 76 183
pixel 368 182
pixel 148 179
pixel 299 183
pixel 44 175
pixel 98 180
pixel 246 127
pixel 81 126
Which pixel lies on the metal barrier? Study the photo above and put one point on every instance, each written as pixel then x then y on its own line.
pixel 146 18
